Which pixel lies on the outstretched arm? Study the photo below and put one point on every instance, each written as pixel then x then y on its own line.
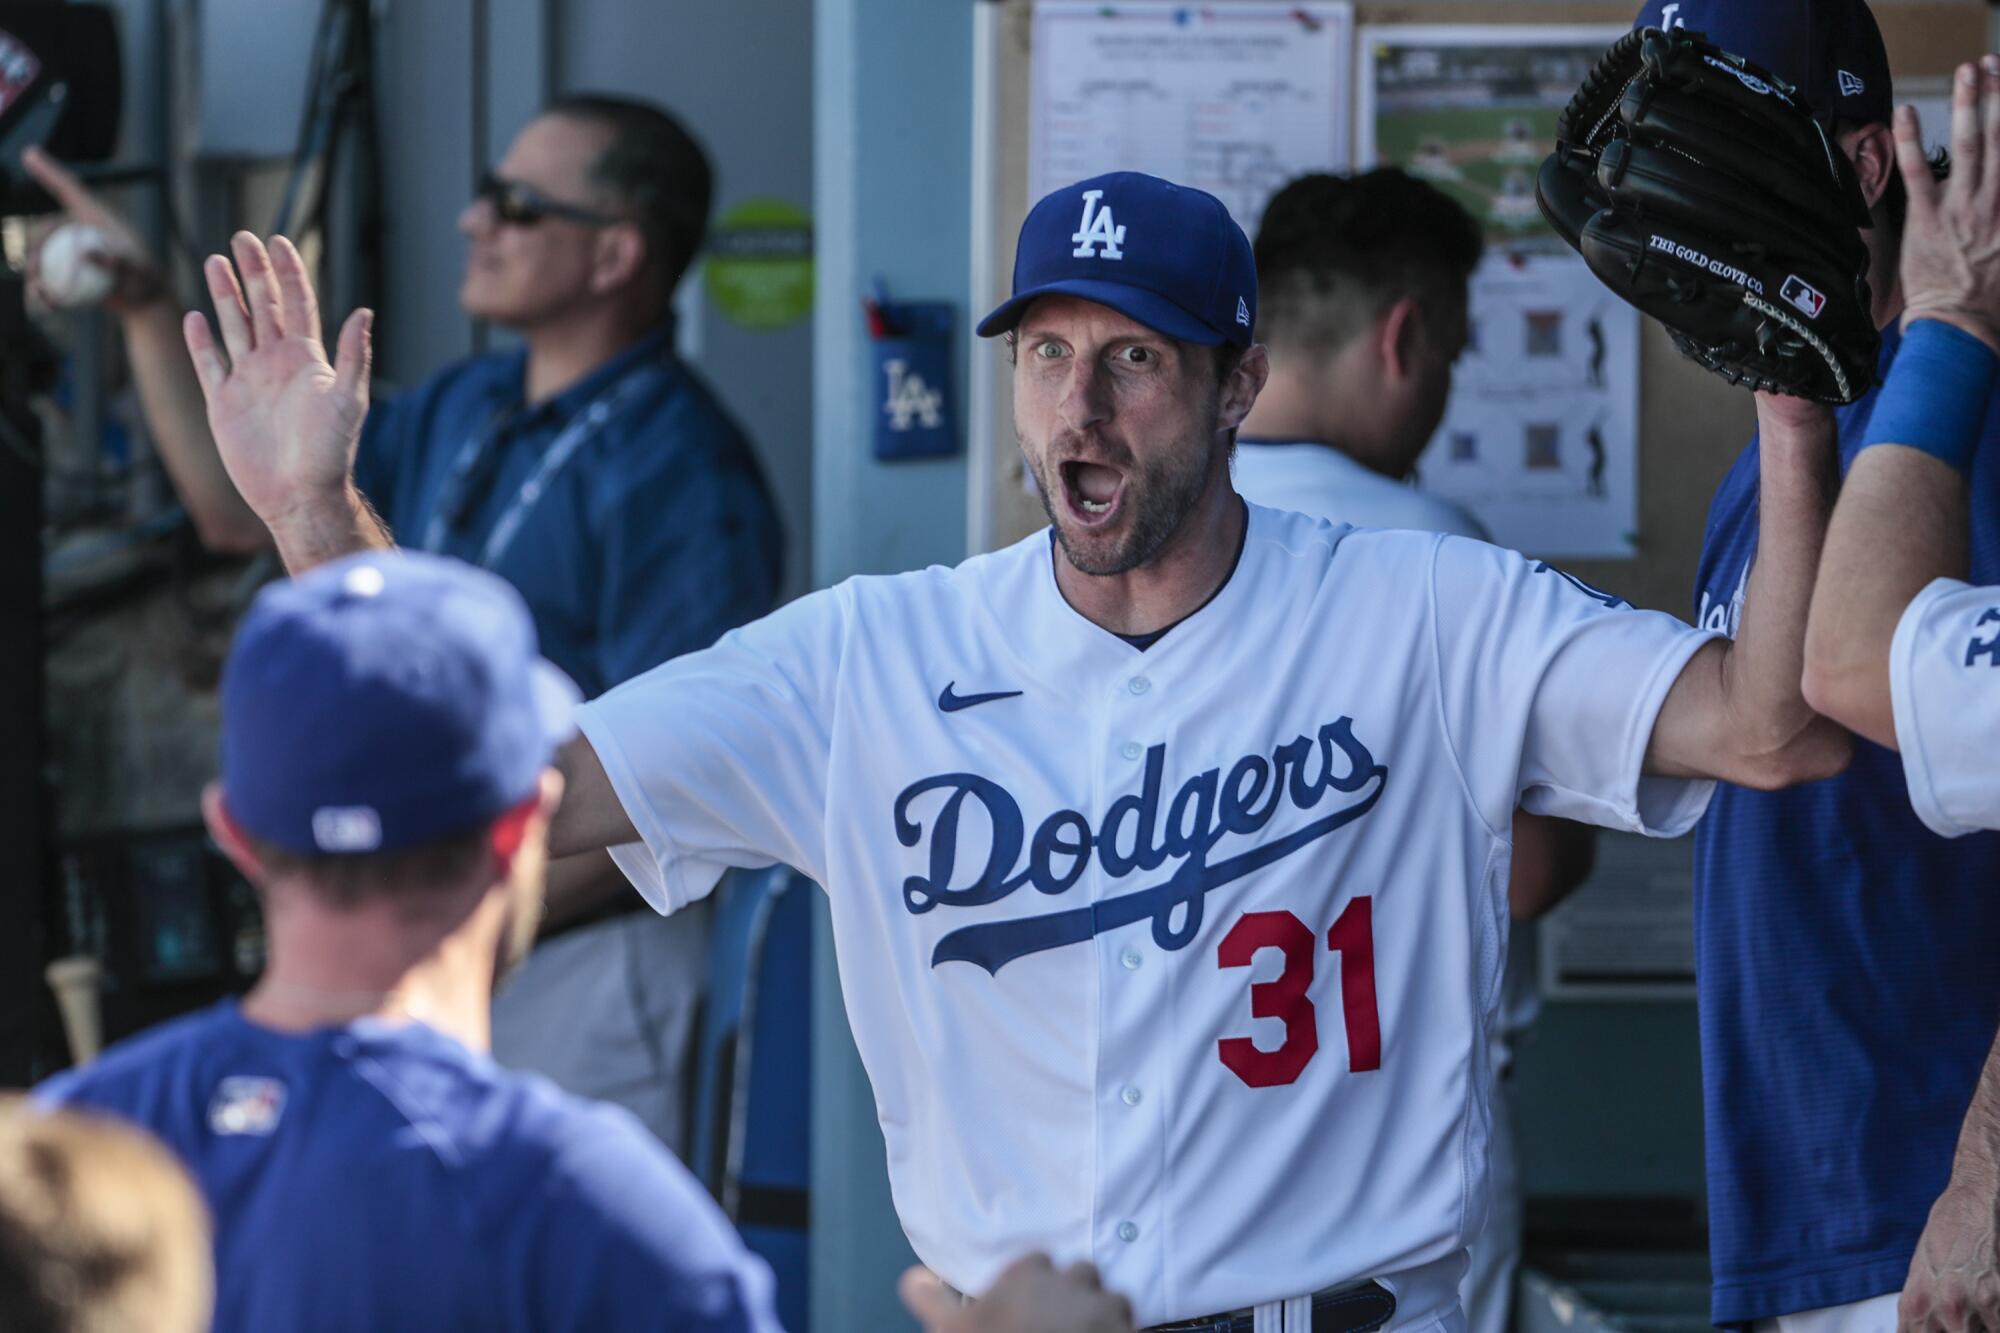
pixel 1737 712
pixel 168 393
pixel 1902 519
pixel 286 421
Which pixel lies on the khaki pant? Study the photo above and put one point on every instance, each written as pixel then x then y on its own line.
pixel 607 1011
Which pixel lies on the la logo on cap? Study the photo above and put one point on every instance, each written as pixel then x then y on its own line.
pixel 1097 236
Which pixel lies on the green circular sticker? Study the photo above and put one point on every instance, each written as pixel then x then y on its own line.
pixel 760 263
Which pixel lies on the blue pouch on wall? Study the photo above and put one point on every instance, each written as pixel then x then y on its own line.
pixel 913 408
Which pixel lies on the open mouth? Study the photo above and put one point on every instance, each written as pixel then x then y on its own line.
pixel 1093 491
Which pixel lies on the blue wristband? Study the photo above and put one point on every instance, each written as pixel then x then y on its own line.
pixel 1937 394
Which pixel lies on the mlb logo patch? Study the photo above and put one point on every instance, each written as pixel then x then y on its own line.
pixel 1802 294
pixel 246 1105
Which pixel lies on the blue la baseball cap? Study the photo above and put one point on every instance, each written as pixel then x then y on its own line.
pixel 1166 255
pixel 1829 50
pixel 386 700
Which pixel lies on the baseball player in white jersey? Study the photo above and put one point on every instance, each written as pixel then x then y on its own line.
pixel 1166 851
pixel 1899 648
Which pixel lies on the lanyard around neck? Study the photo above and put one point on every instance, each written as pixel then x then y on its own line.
pixel 581 429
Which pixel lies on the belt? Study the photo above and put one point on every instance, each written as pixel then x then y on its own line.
pixel 1360 1307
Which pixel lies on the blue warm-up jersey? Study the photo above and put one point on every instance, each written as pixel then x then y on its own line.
pixel 381 1176
pixel 1848 980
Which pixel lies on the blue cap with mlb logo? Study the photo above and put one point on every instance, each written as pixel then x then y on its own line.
pixel 1829 50
pixel 386 700
pixel 1166 255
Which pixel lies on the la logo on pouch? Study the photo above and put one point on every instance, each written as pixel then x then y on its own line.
pixel 1098 236
pixel 910 399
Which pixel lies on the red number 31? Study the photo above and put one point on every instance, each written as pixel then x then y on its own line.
pixel 1284 996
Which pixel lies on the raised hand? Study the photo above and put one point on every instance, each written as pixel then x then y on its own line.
pixel 135 275
pixel 1951 237
pixel 1030 1296
pixel 286 421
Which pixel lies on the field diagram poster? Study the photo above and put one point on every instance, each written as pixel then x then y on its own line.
pixel 1233 99
pixel 1541 436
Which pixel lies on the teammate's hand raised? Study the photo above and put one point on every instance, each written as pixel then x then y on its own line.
pixel 1951 237
pixel 135 275
pixel 285 420
pixel 1029 1297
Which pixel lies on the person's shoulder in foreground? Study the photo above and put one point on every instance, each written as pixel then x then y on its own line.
pixel 366 1165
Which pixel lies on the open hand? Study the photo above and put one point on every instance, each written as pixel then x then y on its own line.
pixel 135 275
pixel 1030 1296
pixel 1951 237
pixel 286 421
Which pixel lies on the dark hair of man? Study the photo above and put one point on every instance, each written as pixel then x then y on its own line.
pixel 1334 252
pixel 349 879
pixel 655 168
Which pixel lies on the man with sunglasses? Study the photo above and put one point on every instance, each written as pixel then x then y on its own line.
pixel 589 467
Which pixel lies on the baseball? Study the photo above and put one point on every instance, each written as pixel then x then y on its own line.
pixel 67 275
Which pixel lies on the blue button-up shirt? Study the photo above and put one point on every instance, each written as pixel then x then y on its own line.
pixel 656 537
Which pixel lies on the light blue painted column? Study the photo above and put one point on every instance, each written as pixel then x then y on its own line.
pixel 892 137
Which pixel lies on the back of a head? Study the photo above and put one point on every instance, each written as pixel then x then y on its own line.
pixel 1334 252
pixel 101 1231
pixel 653 164
pixel 379 715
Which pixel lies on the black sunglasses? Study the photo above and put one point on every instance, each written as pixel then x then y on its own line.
pixel 519 205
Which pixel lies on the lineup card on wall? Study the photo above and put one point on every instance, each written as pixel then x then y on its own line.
pixel 1233 99
pixel 1540 439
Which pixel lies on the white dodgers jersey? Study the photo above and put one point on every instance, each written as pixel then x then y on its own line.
pixel 1180 960
pixel 1944 682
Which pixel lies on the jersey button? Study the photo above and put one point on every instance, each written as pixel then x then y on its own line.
pixel 1128 1231
pixel 1130 1096
pixel 1131 959
pixel 1138 684
pixel 1131 749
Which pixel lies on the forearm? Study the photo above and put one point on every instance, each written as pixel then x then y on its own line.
pixel 1738 711
pixel 1976 1165
pixel 1901 522
pixel 170 396
pixel 1799 478
pixel 321 529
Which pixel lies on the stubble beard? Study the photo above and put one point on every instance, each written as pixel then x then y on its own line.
pixel 1161 496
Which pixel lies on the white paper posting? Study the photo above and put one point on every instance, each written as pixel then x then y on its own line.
pixel 1540 438
pixel 1233 99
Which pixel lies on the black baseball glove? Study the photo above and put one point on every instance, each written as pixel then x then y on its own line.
pixel 1699 188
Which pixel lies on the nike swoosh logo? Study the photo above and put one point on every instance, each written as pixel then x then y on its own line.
pixel 951 703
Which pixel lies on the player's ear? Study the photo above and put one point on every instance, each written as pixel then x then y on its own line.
pixel 1399 334
pixel 1245 382
pixel 228 835
pixel 1872 150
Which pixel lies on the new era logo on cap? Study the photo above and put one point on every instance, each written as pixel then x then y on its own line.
pixel 1243 312
pixel 1851 85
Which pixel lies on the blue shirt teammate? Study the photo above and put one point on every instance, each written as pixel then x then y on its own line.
pixel 387 732
pixel 1849 993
